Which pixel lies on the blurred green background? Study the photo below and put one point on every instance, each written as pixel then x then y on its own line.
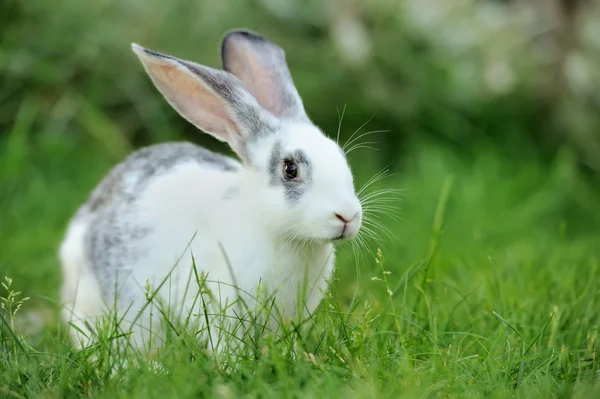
pixel 501 95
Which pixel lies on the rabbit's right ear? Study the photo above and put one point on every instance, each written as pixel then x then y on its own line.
pixel 261 66
pixel 214 101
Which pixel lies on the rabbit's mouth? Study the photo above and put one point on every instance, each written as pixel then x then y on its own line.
pixel 344 235
pixel 342 238
pixel 347 232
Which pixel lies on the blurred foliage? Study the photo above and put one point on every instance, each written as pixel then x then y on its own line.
pixel 517 73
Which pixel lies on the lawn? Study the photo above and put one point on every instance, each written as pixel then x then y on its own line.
pixel 487 286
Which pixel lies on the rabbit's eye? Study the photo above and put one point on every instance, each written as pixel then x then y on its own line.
pixel 290 170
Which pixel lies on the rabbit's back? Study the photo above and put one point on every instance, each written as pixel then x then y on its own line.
pixel 128 179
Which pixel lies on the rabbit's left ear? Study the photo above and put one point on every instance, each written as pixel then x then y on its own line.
pixel 214 101
pixel 261 66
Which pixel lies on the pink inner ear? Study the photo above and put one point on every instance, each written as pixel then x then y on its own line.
pixel 254 73
pixel 193 99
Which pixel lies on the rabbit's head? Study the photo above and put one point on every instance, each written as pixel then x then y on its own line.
pixel 300 178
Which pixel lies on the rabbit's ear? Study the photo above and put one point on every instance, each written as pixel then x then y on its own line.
pixel 261 66
pixel 212 100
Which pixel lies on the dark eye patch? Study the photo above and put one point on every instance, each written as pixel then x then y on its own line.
pixel 293 188
pixel 300 157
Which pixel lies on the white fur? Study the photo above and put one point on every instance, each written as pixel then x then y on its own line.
pixel 80 290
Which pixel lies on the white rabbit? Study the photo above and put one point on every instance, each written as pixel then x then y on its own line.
pixel 269 221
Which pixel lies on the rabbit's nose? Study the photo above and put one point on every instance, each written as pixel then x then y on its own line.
pixel 348 211
pixel 345 218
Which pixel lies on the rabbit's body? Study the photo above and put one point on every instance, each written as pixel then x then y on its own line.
pixel 267 223
pixel 112 250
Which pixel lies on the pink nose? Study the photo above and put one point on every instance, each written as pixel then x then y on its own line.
pixel 344 219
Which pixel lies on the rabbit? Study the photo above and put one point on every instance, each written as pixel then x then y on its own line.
pixel 268 221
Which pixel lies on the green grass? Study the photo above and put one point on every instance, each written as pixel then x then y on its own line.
pixel 489 288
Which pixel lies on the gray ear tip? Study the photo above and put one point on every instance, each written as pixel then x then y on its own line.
pixel 253 39
pixel 244 34
pixel 145 52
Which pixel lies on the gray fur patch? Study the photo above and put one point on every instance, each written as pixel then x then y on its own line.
pixel 141 166
pixel 300 157
pixel 275 164
pixel 111 242
pixel 113 245
pixel 293 189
